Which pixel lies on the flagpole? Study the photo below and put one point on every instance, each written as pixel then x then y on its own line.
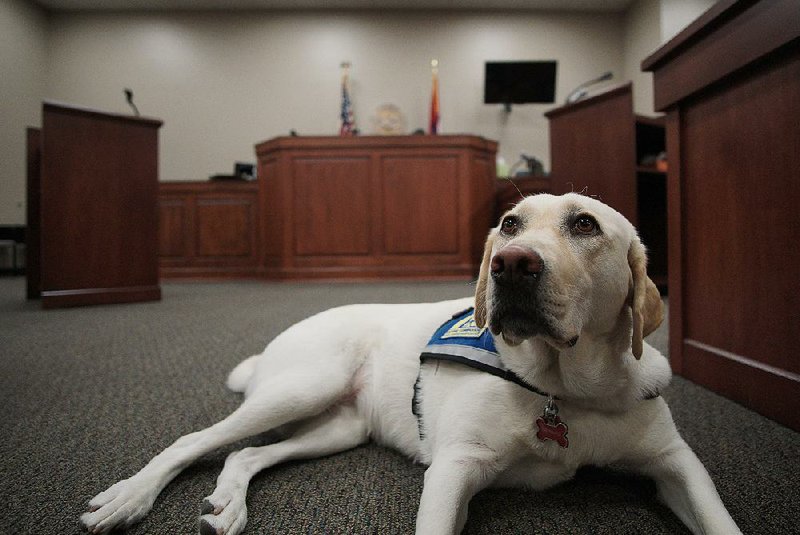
pixel 348 122
pixel 434 122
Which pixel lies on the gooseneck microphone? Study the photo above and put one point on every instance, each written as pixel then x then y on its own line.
pixel 129 98
pixel 581 91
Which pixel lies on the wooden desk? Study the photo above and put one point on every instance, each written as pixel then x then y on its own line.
pixel 375 206
pixel 731 86
pixel 92 220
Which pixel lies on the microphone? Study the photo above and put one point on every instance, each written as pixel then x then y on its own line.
pixel 129 98
pixel 580 92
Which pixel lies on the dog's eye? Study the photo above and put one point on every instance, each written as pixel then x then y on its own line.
pixel 510 225
pixel 585 224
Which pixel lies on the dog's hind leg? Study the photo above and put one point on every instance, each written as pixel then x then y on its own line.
pixel 225 511
pixel 289 396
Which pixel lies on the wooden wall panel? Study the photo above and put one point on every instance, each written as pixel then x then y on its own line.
pixel 224 227
pixel 209 229
pixel 173 228
pixel 326 191
pixel 420 208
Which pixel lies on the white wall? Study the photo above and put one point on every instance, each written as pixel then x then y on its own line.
pixel 22 79
pixel 222 82
pixel 648 25
pixel 678 14
pixel 642 37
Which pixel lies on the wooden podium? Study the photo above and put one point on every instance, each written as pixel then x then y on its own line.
pixel 92 212
pixel 596 146
pixel 375 206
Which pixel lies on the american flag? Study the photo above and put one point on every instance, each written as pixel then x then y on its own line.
pixel 348 122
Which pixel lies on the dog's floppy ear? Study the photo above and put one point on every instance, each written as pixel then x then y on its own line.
pixel 645 300
pixel 480 289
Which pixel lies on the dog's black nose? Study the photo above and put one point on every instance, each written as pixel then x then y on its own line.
pixel 515 263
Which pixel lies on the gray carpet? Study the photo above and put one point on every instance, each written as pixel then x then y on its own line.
pixel 91 394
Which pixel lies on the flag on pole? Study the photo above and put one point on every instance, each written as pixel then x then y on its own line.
pixel 434 124
pixel 348 122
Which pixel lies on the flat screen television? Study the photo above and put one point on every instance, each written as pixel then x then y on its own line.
pixel 519 82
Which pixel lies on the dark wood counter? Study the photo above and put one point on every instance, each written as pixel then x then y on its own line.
pixel 730 84
pixel 375 206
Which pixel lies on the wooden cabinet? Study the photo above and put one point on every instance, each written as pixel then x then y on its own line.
pixel 596 146
pixel 92 220
pixel 730 84
pixel 368 207
pixel 208 229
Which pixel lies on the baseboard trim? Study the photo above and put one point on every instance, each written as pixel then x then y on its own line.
pixel 766 389
pixel 744 360
pixel 99 296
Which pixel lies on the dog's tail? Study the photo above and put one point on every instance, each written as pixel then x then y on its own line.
pixel 240 376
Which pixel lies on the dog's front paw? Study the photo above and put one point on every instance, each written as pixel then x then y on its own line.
pixel 224 513
pixel 123 504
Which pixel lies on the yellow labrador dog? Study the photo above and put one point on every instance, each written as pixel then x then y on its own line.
pixel 552 375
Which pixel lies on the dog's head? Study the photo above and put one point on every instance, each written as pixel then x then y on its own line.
pixel 558 267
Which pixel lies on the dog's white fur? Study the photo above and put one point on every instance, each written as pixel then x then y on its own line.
pixel 346 375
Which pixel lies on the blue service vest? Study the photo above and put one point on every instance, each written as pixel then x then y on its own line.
pixel 460 340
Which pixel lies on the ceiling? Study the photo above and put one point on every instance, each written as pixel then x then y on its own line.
pixel 188 5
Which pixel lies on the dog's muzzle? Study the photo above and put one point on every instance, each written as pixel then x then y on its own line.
pixel 517 273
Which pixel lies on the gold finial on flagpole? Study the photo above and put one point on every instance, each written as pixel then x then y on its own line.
pixel 345 65
pixel 435 65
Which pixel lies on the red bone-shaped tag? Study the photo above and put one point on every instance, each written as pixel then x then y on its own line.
pixel 556 430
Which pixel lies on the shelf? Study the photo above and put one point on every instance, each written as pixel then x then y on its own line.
pixel 650 170
pixel 659 122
